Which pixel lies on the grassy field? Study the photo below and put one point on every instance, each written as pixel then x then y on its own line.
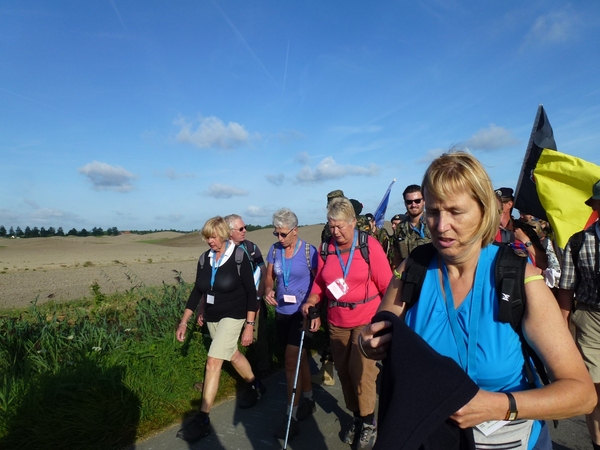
pixel 101 373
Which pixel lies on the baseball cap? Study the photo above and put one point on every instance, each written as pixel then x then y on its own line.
pixel 595 193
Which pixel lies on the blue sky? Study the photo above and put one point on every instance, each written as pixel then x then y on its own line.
pixel 160 115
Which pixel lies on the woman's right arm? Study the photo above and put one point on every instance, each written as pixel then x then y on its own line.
pixel 270 296
pixel 375 347
pixel 182 327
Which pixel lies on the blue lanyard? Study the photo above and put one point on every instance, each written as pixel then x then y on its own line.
pixel 467 345
pixel 346 268
pixel 216 265
pixel 287 270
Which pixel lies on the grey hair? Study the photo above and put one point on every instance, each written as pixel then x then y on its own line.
pixel 231 219
pixel 285 218
pixel 340 208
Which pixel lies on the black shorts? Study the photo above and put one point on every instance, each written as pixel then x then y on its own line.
pixel 289 330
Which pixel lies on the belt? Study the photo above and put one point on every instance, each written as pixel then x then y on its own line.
pixel 350 305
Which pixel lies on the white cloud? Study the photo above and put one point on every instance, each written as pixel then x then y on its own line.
pixel 105 177
pixel 555 27
pixel 491 138
pixel 217 190
pixel 328 169
pixel 276 180
pixel 212 132
pixel 302 158
pixel 430 155
pixel 256 211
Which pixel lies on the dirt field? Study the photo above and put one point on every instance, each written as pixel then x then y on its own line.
pixel 64 268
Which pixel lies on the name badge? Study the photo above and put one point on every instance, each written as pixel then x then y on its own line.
pixel 210 299
pixel 338 288
pixel 289 298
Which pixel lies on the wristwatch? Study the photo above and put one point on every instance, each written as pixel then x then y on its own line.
pixel 528 244
pixel 512 412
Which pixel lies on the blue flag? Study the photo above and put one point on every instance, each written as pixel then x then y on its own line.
pixel 379 213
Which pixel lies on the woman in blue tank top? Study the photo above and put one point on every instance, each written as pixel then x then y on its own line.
pixel 457 315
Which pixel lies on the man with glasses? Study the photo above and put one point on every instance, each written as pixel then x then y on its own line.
pixel 238 236
pixel 412 231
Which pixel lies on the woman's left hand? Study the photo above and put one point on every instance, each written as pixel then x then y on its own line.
pixel 247 335
pixel 484 406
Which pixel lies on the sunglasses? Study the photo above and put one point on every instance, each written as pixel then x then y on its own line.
pixel 240 229
pixel 283 235
pixel 416 200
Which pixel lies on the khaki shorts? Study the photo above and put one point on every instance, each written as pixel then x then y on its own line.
pixel 225 335
pixel 587 337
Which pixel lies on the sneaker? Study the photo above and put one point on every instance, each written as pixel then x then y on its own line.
pixel 195 429
pixel 306 407
pixel 368 435
pixel 251 395
pixel 352 430
pixel 294 428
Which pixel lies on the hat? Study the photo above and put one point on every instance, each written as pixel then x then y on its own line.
pixel 357 206
pixel 334 194
pixel 595 193
pixel 396 217
pixel 505 192
pixel 369 216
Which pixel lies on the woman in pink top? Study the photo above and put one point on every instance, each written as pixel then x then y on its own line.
pixel 351 288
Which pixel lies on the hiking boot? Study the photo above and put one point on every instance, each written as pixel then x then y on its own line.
pixel 195 429
pixel 294 428
pixel 368 435
pixel 251 395
pixel 352 430
pixel 306 407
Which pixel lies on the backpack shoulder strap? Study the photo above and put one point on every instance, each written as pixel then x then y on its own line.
pixel 576 244
pixel 307 254
pixel 414 273
pixel 363 245
pixel 202 259
pixel 239 257
pixel 510 283
pixel 324 250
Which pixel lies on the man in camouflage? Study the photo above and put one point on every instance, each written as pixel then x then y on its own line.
pixel 382 236
pixel 412 231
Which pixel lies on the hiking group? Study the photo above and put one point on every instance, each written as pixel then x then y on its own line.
pixel 465 309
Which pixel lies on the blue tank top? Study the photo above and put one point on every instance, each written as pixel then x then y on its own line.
pixel 497 362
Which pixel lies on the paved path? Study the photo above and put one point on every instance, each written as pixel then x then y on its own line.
pixel 238 429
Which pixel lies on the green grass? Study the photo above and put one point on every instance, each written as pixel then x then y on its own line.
pixel 103 372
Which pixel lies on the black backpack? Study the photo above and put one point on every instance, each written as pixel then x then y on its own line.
pixel 239 257
pixel 510 279
pixel 363 245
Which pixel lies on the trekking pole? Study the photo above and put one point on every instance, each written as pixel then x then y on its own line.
pixel 311 315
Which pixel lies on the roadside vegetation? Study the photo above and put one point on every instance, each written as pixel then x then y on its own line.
pixel 103 372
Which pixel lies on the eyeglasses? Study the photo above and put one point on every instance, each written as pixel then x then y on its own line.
pixel 239 229
pixel 283 235
pixel 416 200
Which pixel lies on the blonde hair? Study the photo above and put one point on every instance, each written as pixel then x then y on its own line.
pixel 216 227
pixel 458 171
pixel 340 208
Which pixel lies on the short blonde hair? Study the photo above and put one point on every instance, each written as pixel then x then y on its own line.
pixel 217 227
pixel 458 171
pixel 340 208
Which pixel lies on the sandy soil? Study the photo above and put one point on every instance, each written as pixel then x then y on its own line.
pixel 64 268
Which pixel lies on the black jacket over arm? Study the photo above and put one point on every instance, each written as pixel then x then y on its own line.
pixel 420 390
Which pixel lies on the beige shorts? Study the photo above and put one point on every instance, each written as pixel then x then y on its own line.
pixel 225 335
pixel 587 337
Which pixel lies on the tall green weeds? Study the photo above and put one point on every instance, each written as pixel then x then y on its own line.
pixel 99 373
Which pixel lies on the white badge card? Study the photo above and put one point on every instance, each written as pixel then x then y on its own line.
pixel 338 288
pixel 210 299
pixel 289 298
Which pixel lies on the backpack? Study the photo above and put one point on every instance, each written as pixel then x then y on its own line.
pixel 239 257
pixel 363 245
pixel 306 253
pixel 510 281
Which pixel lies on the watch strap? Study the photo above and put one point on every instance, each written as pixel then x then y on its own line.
pixel 512 412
